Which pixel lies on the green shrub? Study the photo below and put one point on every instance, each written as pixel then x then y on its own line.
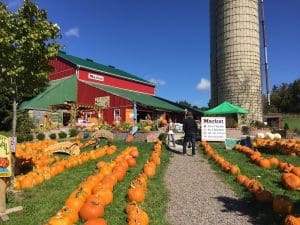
pixel 29 137
pixel 40 136
pixel 24 137
pixel 62 134
pixel 73 132
pixel 286 126
pixel 25 123
pixel 52 136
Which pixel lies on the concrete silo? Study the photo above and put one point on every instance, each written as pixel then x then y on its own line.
pixel 235 55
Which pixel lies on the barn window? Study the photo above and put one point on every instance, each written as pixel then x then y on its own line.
pixel 117 114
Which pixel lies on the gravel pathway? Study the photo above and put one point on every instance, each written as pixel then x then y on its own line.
pixel 199 197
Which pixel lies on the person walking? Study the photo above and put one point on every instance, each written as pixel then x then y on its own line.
pixel 190 130
pixel 171 127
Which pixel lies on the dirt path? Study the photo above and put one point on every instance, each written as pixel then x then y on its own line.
pixel 198 196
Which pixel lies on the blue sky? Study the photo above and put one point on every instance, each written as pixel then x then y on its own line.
pixel 166 41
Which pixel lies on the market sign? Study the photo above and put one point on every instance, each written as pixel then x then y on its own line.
pixel 96 77
pixel 5 157
pixel 102 102
pixel 213 128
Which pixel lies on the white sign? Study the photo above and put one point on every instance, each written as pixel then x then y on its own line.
pixel 102 102
pixel 213 128
pixel 96 77
pixel 13 143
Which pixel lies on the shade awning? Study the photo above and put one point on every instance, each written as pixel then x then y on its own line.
pixel 56 93
pixel 226 108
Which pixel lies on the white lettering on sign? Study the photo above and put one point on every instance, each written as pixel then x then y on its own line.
pixel 213 128
pixel 96 77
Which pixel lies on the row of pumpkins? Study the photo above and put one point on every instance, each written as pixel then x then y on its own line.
pixel 88 201
pixel 281 204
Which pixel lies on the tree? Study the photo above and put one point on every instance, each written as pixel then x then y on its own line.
pixel 285 98
pixel 295 96
pixel 185 104
pixel 27 42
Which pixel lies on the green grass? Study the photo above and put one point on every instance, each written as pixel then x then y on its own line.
pixel 4 133
pixel 269 178
pixel 43 201
pixel 293 122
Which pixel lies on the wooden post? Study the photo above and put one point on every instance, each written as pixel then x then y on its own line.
pixel 2 196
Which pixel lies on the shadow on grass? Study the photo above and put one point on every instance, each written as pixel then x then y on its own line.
pixel 259 213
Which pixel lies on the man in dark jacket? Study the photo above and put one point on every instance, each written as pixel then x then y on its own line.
pixel 190 131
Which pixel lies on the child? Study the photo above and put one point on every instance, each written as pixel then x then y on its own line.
pixel 171 128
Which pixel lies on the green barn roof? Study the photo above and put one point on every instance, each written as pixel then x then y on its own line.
pixel 90 64
pixel 65 89
pixel 144 99
pixel 56 93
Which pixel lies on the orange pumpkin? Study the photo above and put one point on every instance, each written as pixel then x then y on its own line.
pixel 291 181
pixel 264 163
pixel 234 169
pixel 150 169
pixel 136 193
pixel 104 195
pixel 119 172
pixel 60 220
pixel 76 200
pixel 134 152
pixel 129 138
pixel 241 178
pixel 163 122
pixel 296 170
pixel 283 204
pixel 109 181
pixel 131 161
pixel 274 161
pixel 91 210
pixel 71 213
pixel 292 220
pixel 96 221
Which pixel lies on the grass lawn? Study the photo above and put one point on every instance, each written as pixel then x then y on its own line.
pixel 269 178
pixel 43 201
pixel 293 122
pixel 4 133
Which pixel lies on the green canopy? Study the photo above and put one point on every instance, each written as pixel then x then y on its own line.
pixel 226 108
pixel 56 93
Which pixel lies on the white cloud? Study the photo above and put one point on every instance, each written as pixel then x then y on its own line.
pixel 72 32
pixel 157 81
pixel 203 85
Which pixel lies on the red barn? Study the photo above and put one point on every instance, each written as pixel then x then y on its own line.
pixel 98 91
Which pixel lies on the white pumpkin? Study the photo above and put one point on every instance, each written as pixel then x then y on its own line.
pixel 277 136
pixel 260 135
pixel 270 136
